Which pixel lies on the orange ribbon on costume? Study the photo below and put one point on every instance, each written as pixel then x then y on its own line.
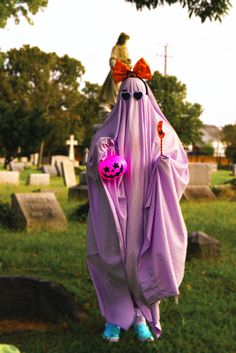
pixel 141 69
pixel 161 133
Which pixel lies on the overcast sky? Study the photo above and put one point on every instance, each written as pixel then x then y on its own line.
pixel 203 56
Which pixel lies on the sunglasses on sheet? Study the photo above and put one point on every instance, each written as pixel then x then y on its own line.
pixel 127 95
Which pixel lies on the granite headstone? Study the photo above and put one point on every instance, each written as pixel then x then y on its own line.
pixel 37 211
pixel 68 173
pixel 7 177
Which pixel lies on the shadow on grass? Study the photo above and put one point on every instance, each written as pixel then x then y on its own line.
pixel 6 215
pixel 80 214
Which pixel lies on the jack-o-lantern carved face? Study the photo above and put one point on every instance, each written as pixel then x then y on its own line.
pixel 112 167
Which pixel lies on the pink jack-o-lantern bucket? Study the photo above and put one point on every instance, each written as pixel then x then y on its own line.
pixel 112 167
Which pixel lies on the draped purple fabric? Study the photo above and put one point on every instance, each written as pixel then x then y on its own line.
pixel 136 236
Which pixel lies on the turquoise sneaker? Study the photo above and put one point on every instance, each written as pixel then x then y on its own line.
pixel 143 333
pixel 111 333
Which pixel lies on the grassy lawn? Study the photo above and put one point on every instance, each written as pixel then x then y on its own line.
pixel 204 321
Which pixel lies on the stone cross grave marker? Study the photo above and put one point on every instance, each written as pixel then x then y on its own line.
pixel 71 143
pixel 68 173
pixel 38 211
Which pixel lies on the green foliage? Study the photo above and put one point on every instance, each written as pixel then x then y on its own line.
pixel 230 152
pixel 229 136
pixel 184 116
pixel 212 10
pixel 18 8
pixel 88 111
pixel 39 99
pixel 221 177
pixel 206 150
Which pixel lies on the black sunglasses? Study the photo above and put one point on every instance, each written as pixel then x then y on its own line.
pixel 127 95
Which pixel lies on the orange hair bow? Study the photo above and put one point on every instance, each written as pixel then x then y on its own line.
pixel 141 69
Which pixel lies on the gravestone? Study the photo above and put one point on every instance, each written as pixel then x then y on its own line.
pixel 39 179
pixel 72 143
pixel 7 177
pixel 2 161
pixel 202 245
pixel 16 166
pixel 49 169
pixel 59 158
pixel 198 192
pixel 56 162
pixel 68 173
pixel 234 169
pixel 199 182
pixel 59 168
pixel 37 211
pixel 23 159
pixel 83 178
pixel 27 298
pixel 199 174
pixel 34 158
pixel 85 156
pixel 213 166
pixel 80 191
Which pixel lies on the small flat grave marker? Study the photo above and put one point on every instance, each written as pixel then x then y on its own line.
pixel 202 245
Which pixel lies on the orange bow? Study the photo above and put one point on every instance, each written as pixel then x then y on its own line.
pixel 141 69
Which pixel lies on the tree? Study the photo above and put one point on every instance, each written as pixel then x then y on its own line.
pixel 229 136
pixel 43 85
pixel 211 9
pixel 183 116
pixel 18 8
pixel 88 110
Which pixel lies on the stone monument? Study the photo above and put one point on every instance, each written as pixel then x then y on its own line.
pixel 39 179
pixel 199 182
pixel 68 173
pixel 27 298
pixel 72 143
pixel 202 245
pixel 7 177
pixel 37 211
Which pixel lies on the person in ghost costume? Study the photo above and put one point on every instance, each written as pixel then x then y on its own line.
pixel 136 235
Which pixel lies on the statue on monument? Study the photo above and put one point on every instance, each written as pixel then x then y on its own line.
pixel 110 88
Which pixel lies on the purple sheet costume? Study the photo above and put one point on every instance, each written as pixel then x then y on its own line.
pixel 136 236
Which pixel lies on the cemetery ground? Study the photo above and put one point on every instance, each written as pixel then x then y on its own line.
pixel 204 321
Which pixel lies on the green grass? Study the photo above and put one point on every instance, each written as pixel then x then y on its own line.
pixel 221 177
pixel 203 321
